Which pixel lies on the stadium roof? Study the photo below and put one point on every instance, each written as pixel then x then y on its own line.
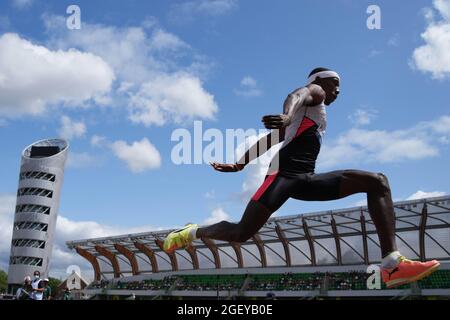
pixel 337 237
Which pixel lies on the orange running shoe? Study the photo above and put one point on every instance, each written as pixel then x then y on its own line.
pixel 408 271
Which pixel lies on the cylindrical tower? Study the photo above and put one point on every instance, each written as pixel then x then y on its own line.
pixel 37 205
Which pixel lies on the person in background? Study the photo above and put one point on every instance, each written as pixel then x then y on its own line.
pixel 47 290
pixel 23 293
pixel 67 295
pixel 37 292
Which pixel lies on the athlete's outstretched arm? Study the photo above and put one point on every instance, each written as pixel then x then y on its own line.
pixel 256 150
pixel 307 96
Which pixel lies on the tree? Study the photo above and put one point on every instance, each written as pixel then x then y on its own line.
pixel 54 283
pixel 3 281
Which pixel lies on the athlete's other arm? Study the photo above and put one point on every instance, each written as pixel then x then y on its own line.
pixel 256 150
pixel 311 95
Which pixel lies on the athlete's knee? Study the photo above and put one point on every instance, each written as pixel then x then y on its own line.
pixel 241 235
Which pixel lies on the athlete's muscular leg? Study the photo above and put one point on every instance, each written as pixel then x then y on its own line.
pixel 268 199
pixel 255 216
pixel 379 201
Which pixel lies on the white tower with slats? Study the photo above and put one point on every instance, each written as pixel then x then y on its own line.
pixel 38 196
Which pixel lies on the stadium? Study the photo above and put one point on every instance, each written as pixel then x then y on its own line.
pixel 323 255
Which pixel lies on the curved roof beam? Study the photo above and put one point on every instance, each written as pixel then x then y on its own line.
pixel 149 253
pixel 172 256
pixel 130 256
pixel 262 252
pixel 364 238
pixel 211 245
pixel 237 249
pixel 92 259
pixel 336 240
pixel 285 243
pixel 193 254
pixel 308 237
pixel 422 225
pixel 111 257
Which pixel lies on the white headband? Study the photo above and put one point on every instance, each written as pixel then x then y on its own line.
pixel 323 74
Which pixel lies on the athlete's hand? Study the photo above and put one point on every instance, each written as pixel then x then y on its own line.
pixel 277 121
pixel 222 167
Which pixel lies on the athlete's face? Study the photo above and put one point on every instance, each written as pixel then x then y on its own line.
pixel 331 88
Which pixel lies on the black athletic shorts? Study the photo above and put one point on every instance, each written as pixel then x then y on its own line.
pixel 277 188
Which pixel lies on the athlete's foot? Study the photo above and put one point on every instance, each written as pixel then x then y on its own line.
pixel 408 271
pixel 180 238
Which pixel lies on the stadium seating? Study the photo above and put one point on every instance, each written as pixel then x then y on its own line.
pixel 98 284
pixel 438 280
pixel 210 282
pixel 352 280
pixel 286 281
pixel 145 285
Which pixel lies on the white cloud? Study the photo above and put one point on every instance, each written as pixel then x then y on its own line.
pixel 158 73
pixel 363 117
pixel 67 229
pixel 21 4
pixel 213 7
pixel 71 129
pixel 33 77
pixel 442 125
pixel 149 22
pixel 187 10
pixel 81 160
pixel 163 40
pixel 422 194
pixel 248 88
pixel 98 141
pixel 443 6
pixel 210 194
pixel 125 87
pixel 434 55
pixel 248 81
pixel 428 13
pixel 217 215
pixel 136 54
pixel 393 41
pixel 444 140
pixel 361 203
pixel 178 97
pixel 126 50
pixel 365 146
pixel 139 156
pixel 374 53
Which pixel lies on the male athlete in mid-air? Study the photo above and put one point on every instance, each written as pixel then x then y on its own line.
pixel 291 175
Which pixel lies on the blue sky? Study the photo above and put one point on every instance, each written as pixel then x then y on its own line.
pixel 138 70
